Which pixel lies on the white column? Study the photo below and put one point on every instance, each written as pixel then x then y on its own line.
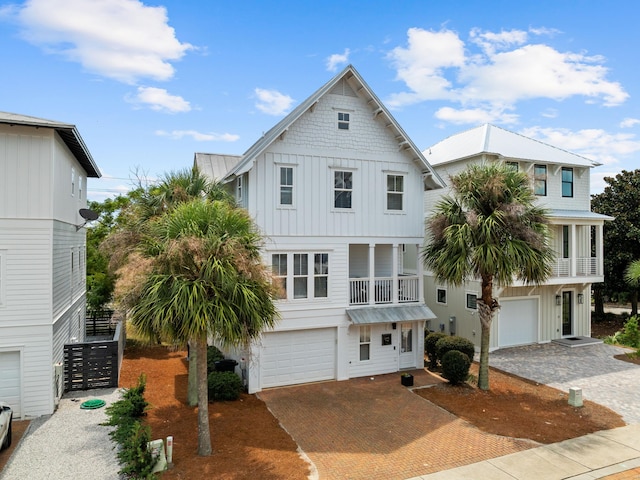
pixel 372 273
pixel 573 252
pixel 420 270
pixel 600 248
pixel 394 273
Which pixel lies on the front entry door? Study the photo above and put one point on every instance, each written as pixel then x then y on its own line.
pixel 567 314
pixel 407 349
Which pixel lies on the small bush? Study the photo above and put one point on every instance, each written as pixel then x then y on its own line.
pixel 213 355
pixel 631 333
pixel 224 386
pixel 455 366
pixel 135 455
pixel 430 347
pixel 461 344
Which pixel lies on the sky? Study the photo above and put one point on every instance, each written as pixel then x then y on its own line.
pixel 149 83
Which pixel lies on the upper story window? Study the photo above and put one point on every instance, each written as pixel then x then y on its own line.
pixel 3 256
pixel 395 192
pixel 73 181
pixel 286 185
pixel 343 121
pixel 540 180
pixel 567 182
pixel 279 269
pixel 80 188
pixel 512 165
pixel 342 189
pixel 239 190
pixel 565 241
pixel 441 295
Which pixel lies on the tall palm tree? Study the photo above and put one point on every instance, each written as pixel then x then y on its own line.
pixel 489 230
pixel 632 274
pixel 206 281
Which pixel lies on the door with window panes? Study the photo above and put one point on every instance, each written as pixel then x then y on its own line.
pixel 407 347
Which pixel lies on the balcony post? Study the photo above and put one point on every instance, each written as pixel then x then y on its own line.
pixel 372 274
pixel 600 248
pixel 394 274
pixel 573 252
pixel 420 271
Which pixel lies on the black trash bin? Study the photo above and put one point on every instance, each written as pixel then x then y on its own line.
pixel 226 365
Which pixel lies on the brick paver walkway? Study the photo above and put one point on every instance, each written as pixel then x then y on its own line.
pixel 377 429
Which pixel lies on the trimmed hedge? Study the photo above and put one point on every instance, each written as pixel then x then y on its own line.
pixel 224 386
pixel 213 355
pixel 430 347
pixel 461 344
pixel 455 366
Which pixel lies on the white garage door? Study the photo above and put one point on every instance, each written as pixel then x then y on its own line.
pixel 518 322
pixel 298 357
pixel 10 381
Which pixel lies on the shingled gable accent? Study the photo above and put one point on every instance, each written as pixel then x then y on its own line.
pixel 354 82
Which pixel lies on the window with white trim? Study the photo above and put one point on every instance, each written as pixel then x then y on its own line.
pixel 472 301
pixel 342 189
pixel 441 295
pixel 365 342
pixel 80 187
pixel 395 192
pixel 343 121
pixel 73 181
pixel 279 269
pixel 239 187
pixel 567 182
pixel 286 186
pixel 308 277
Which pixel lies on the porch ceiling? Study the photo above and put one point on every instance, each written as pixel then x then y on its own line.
pixel 389 314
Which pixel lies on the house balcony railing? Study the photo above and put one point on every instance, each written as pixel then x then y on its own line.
pixel 383 291
pixel 585 267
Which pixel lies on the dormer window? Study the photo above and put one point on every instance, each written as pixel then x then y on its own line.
pixel 343 121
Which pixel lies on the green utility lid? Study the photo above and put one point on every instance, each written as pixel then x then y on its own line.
pixel 93 404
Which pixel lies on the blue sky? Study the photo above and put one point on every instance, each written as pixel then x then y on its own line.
pixel 150 83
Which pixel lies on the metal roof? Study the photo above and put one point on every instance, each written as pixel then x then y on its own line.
pixel 578 214
pixel 215 166
pixel 492 140
pixel 389 314
pixel 69 134
pixel 432 179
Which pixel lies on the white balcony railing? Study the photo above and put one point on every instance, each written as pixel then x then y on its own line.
pixel 408 290
pixel 585 267
pixel 561 267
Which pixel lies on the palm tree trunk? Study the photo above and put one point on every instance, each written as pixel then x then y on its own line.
pixel 204 436
pixel 485 313
pixel 192 384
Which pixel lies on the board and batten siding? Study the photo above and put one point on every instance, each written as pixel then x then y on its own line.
pixel 315 148
pixel 69 269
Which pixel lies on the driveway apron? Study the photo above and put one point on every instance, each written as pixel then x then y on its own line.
pixel 602 378
pixel 374 428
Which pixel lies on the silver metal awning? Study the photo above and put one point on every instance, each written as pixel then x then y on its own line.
pixel 389 314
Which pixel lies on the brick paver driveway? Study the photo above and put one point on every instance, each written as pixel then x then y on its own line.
pixel 378 429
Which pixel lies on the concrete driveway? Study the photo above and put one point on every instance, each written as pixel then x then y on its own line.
pixel 374 428
pixel 603 379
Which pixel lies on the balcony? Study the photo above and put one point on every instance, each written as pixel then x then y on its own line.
pixel 407 290
pixel 584 267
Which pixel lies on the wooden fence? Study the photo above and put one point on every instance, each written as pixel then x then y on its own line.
pixel 91 365
pixel 100 323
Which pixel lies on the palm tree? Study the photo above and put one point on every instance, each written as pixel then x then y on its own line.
pixel 206 281
pixel 632 274
pixel 489 229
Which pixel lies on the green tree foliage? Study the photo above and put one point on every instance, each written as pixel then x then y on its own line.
pixel 490 230
pixel 621 200
pixel 455 366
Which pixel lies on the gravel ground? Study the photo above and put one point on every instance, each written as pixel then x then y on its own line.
pixel 68 445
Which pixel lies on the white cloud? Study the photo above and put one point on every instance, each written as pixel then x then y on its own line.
pixel 160 100
pixel 198 136
pixel 337 59
pixel 120 39
pixel 629 122
pixel 474 116
pixel 495 71
pixel 596 144
pixel 272 102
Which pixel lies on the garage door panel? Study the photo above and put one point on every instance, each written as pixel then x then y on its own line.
pixel 10 381
pixel 518 322
pixel 298 357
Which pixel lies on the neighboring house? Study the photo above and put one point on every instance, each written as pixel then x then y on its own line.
pixel 44 167
pixel 336 188
pixel 561 307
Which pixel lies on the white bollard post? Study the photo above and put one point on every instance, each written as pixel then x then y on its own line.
pixel 170 451
pixel 575 397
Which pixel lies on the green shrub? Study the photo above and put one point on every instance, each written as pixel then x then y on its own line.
pixel 213 355
pixel 224 386
pixel 455 366
pixel 430 347
pixel 461 344
pixel 631 333
pixel 135 455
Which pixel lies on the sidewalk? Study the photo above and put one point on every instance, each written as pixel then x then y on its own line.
pixel 597 455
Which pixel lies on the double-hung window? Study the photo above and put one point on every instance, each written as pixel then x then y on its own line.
pixel 321 275
pixel 342 189
pixel 73 182
pixel 395 192
pixel 540 180
pixel 365 342
pixel 441 295
pixel 472 301
pixel 300 275
pixel 343 121
pixel 240 190
pixel 567 182
pixel 565 241
pixel 279 269
pixel 286 186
